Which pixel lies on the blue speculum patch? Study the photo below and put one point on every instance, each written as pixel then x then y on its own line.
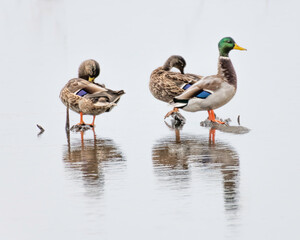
pixel 81 93
pixel 203 94
pixel 185 87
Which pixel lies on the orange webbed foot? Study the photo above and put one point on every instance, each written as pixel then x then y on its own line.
pixel 212 117
pixel 217 121
pixel 175 110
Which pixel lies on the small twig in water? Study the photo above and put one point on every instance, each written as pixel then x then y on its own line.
pixel 41 129
pixel 238 120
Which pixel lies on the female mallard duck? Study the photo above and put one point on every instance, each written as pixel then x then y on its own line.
pixel 214 91
pixel 165 85
pixel 86 97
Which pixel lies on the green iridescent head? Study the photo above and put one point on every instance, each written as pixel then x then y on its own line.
pixel 226 45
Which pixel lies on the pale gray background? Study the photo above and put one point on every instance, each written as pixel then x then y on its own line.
pixel 45 197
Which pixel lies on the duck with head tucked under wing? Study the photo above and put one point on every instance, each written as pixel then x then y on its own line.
pixel 86 97
pixel 165 85
pixel 214 91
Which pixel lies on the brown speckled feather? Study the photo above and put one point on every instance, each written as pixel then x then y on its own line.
pixel 97 101
pixel 88 68
pixel 165 85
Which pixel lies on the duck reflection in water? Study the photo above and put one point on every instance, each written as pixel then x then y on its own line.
pixel 89 160
pixel 177 159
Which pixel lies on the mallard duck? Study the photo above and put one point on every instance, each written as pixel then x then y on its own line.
pixel 214 91
pixel 86 97
pixel 165 85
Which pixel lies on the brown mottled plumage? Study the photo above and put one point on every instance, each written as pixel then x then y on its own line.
pixel 97 99
pixel 165 85
pixel 89 68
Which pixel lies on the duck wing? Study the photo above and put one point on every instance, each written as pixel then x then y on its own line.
pixel 105 96
pixel 194 76
pixel 77 84
pixel 95 92
pixel 166 85
pixel 179 79
pixel 202 89
pixel 174 84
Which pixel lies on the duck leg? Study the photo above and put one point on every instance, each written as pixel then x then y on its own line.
pixel 81 120
pixel 93 123
pixel 211 117
pixel 175 110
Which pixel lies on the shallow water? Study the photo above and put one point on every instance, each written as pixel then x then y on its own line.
pixel 135 177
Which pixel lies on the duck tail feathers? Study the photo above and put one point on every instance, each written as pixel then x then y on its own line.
pixel 179 103
pixel 120 92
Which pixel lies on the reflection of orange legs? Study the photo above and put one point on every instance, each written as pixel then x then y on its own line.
pixel 94 134
pixel 175 110
pixel 81 133
pixel 82 137
pixel 177 134
pixel 212 133
pixel 81 120
pixel 211 117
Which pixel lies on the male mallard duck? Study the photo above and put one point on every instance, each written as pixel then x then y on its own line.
pixel 86 97
pixel 214 91
pixel 165 85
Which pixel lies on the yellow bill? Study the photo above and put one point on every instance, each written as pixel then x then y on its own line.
pixel 237 47
pixel 91 79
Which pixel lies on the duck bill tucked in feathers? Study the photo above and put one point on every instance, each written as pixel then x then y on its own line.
pixel 86 97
